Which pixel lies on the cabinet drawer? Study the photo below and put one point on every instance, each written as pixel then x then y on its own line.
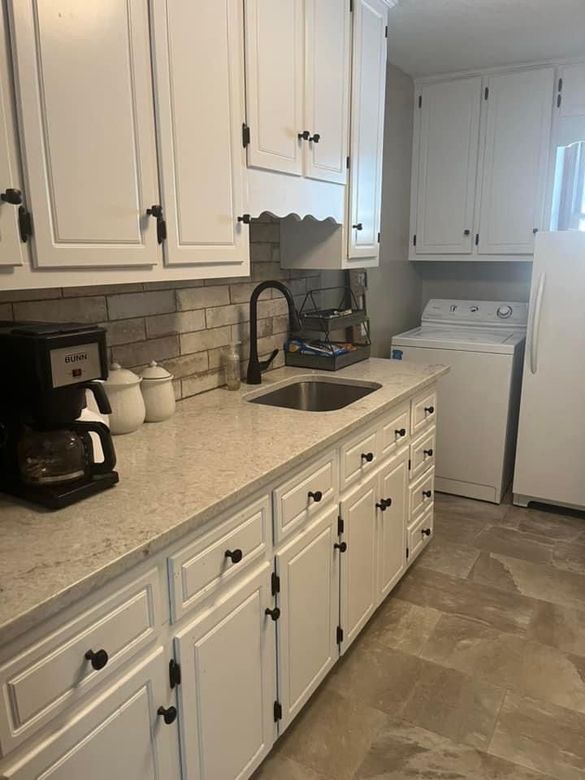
pixel 419 534
pixel 395 431
pixel 422 453
pixel 305 494
pixel 214 559
pixel 422 493
pixel 54 673
pixel 359 457
pixel 424 410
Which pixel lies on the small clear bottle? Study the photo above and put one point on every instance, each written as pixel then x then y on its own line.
pixel 231 365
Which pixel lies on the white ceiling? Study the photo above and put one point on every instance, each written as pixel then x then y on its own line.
pixel 440 36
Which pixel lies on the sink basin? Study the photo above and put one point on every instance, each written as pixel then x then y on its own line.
pixel 317 395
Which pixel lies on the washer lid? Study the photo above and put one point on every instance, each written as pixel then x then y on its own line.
pixel 458 338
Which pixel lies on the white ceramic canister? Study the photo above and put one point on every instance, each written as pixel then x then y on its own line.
pixel 123 391
pixel 158 393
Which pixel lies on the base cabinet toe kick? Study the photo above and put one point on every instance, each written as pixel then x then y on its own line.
pixel 192 664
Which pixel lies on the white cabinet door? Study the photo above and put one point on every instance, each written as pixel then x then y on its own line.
pixel 274 84
pixel 119 735
pixel 513 183
pixel 12 249
pixel 200 111
pixel 572 91
pixel 227 656
pixel 85 93
pixel 308 569
pixel 358 561
pixel 327 88
pixel 392 522
pixel 367 126
pixel 448 143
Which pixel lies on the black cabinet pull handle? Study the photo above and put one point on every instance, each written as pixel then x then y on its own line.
pixel 315 138
pixel 274 613
pixel 426 532
pixel 430 409
pixel 12 196
pixel 98 659
pixel 427 493
pixel 400 432
pixel 368 456
pixel 161 226
pixel 155 211
pixel 245 218
pixel 341 546
pixel 304 136
pixel 358 226
pixel 428 452
pixel 234 555
pixel 382 505
pixel 316 495
pixel 169 714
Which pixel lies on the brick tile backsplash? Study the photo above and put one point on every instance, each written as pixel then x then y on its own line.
pixel 186 326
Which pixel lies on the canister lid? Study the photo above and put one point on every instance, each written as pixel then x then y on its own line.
pixel 154 372
pixel 119 377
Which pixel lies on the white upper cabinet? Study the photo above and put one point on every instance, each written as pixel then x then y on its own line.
pixel 327 58
pixel 274 75
pixel 12 249
pixel 367 126
pixel 571 88
pixel 448 143
pixel 513 181
pixel 84 78
pixel 200 110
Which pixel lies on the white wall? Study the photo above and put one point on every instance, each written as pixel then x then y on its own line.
pixel 394 289
pixel 475 280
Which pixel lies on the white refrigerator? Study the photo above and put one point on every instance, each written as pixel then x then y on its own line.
pixel 550 456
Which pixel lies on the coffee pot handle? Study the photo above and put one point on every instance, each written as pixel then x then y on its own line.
pixel 84 428
pixel 101 399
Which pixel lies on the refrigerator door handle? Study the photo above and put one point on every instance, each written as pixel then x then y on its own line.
pixel 534 326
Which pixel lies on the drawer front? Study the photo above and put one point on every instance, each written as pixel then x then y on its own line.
pixel 395 431
pixel 422 493
pixel 305 494
pixel 424 411
pixel 215 558
pixel 420 534
pixel 422 453
pixel 359 457
pixel 54 673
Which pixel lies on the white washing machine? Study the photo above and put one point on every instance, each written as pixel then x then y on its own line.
pixel 483 343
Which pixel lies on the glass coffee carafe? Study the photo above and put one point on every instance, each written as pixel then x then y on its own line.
pixel 52 457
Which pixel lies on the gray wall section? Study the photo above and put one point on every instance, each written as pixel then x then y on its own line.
pixel 475 280
pixel 395 288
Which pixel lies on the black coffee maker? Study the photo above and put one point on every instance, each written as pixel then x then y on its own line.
pixel 46 453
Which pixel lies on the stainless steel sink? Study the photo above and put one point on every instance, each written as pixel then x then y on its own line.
pixel 317 395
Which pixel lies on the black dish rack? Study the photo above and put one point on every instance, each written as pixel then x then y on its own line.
pixel 322 321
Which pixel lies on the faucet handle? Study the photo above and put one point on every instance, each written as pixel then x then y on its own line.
pixel 264 364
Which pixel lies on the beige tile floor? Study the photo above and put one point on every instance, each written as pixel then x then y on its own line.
pixel 474 667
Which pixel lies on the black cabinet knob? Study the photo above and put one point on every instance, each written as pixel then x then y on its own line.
pixel 368 456
pixel 381 505
pixel 358 226
pixel 155 211
pixel 428 452
pixel 98 659
pixel 304 136
pixel 315 138
pixel 341 546
pixel 427 493
pixel 535 230
pixel 430 409
pixel 467 232
pixel 12 196
pixel 400 432
pixel 169 714
pixel 274 613
pixel 245 218
pixel 234 555
pixel 426 532
pixel 315 495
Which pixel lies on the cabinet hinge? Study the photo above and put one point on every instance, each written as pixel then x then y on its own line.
pixel 486 93
pixel 407 553
pixel 174 673
pixel 420 101
pixel 386 31
pixel 559 100
pixel 339 635
pixel 245 135
pixel 24 224
pixel 340 525
pixel 477 239
pixel 275 583
pixel 414 240
pixel 277 711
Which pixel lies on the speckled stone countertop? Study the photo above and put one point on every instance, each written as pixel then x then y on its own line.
pixel 174 476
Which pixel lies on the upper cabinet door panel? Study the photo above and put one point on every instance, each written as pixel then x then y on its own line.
pixel 367 126
pixel 327 88
pixel 447 166
pixel 85 83
pixel 200 110
pixel 517 133
pixel 274 83
pixel 572 90
pixel 12 250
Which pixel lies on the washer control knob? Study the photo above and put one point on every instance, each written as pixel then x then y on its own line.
pixel 504 312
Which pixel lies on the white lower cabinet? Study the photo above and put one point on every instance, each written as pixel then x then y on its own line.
pixel 228 687
pixel 120 735
pixel 392 521
pixel 308 581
